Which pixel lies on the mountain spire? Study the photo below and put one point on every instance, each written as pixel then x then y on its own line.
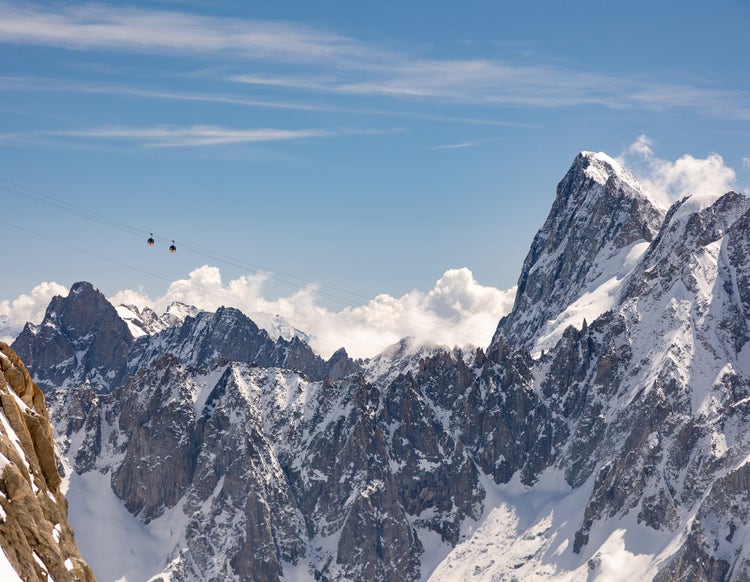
pixel 600 210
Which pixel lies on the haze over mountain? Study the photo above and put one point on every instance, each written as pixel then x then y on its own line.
pixel 601 435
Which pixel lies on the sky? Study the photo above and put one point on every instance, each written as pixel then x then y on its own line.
pixel 369 170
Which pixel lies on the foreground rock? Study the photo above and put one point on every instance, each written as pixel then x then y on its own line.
pixel 35 535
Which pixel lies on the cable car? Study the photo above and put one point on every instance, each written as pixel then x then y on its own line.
pixel 172 248
pixel 150 241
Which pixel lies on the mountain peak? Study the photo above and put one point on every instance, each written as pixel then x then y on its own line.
pixel 600 167
pixel 82 287
pixel 598 220
pixel 80 336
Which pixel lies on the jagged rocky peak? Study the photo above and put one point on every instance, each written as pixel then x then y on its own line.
pixel 36 539
pixel 208 340
pixel 81 339
pixel 622 451
pixel 145 321
pixel 277 326
pixel 600 220
pixel 405 356
pixel 692 228
pixel 340 365
pixel 204 340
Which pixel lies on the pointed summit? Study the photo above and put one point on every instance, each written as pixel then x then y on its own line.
pixel 599 218
pixel 81 339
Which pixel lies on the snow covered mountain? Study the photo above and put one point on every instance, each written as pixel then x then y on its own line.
pixel 405 357
pixel 646 413
pixel 145 321
pixel 600 224
pixel 81 340
pixel 601 436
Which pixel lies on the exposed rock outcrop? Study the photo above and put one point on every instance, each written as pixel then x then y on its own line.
pixel 35 535
pixel 599 214
pixel 81 340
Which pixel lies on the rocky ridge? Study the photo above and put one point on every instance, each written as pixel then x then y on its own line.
pixel 145 321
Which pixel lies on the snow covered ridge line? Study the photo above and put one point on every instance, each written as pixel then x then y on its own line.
pixel 621 451
pixel 457 310
pixel 145 321
pixel 657 381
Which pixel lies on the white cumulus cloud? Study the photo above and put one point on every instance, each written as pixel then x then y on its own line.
pixel 456 311
pixel 25 308
pixel 667 181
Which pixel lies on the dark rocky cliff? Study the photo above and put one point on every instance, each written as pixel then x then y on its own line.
pixel 81 340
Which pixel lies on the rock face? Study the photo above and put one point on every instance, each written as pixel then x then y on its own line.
pixel 599 215
pixel 643 413
pixel 617 443
pixel 81 339
pixel 147 322
pixel 36 538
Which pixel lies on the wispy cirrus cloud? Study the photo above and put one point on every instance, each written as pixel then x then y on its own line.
pixel 299 57
pixel 311 82
pixel 101 26
pixel 496 83
pixel 455 146
pixel 16 83
pixel 163 136
pixel 476 81
pixel 506 83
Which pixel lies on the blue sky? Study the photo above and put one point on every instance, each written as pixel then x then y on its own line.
pixel 367 147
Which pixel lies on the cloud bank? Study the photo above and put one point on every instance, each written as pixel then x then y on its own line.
pixel 668 181
pixel 457 311
pixel 15 313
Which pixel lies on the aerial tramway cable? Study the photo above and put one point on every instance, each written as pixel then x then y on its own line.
pixel 335 294
pixel 285 278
